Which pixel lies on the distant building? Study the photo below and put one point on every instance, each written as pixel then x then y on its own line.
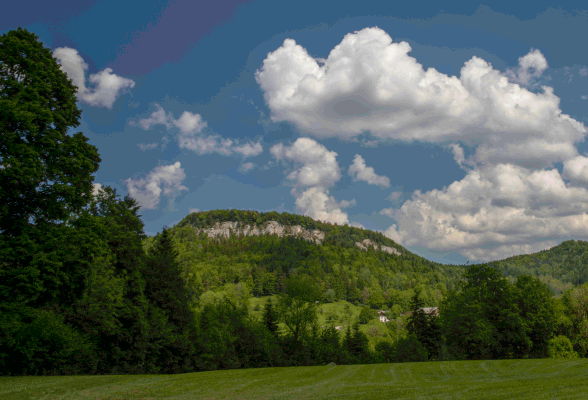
pixel 382 316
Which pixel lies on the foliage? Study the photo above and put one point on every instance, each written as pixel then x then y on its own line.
pixel 42 107
pixel 296 307
pixel 47 345
pixel 538 311
pixel 366 315
pixel 561 347
pixel 425 328
pixel 330 296
pixel 410 349
pixel 270 317
pixel 482 321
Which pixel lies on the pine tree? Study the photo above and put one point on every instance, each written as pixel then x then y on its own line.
pixel 359 343
pixel 164 284
pixel 423 326
pixel 270 317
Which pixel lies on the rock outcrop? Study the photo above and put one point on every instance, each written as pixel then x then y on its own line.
pixel 272 227
pixel 368 242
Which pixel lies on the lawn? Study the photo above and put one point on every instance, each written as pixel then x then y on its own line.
pixel 500 379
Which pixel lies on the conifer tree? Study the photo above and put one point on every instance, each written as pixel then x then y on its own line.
pixel 417 323
pixel 164 284
pixel 270 317
pixel 359 343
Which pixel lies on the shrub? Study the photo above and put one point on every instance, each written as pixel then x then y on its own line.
pixel 330 296
pixel 561 347
pixel 49 346
pixel 409 349
pixel 365 315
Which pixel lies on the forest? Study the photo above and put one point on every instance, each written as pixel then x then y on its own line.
pixel 83 290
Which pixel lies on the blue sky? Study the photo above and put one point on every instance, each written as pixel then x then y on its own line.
pixel 457 130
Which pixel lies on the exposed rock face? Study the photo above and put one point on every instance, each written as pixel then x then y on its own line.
pixel 368 242
pixel 272 227
pixel 224 230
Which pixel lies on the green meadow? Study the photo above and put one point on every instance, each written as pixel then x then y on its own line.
pixel 496 379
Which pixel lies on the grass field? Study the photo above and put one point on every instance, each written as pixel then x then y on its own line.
pixel 501 379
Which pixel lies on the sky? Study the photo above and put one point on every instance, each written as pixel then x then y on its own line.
pixel 455 129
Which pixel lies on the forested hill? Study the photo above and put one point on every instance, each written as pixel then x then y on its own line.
pixel 561 267
pixel 370 276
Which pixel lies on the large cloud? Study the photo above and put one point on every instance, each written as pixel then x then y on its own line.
pixel 316 169
pixel 190 126
pixel 370 84
pixel 508 207
pixel 511 201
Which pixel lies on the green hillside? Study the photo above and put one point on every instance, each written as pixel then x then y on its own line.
pixel 372 277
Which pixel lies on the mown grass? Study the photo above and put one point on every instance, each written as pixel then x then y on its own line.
pixel 498 379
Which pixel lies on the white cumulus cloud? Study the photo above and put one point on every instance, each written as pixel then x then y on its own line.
pixel 517 210
pixel 360 172
pixel 190 126
pixel 107 84
pixel 369 83
pixel 511 201
pixel 315 170
pixel 147 191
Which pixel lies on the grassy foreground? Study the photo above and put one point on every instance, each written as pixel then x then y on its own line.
pixel 498 379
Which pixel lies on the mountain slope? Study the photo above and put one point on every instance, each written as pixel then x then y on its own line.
pixel 222 247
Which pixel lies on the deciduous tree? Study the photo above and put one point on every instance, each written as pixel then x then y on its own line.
pixel 296 307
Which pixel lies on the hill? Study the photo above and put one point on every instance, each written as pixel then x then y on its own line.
pixel 223 247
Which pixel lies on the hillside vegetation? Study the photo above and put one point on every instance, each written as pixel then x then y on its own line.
pixel 374 277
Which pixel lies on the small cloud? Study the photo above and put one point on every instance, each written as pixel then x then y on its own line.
pixel 193 210
pixel 147 191
pixel 360 172
pixel 246 167
pixel 395 195
pixel 108 85
pixel 191 124
pixel 389 212
pixel 144 147
pixel 249 149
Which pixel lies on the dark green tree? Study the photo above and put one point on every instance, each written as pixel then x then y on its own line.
pixel 164 285
pixel 271 317
pixel 166 289
pixel 424 327
pixel 358 345
pixel 482 320
pixel 409 349
pixel 44 175
pixel 133 348
pixel 538 311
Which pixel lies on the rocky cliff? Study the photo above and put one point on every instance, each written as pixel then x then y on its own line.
pixel 272 227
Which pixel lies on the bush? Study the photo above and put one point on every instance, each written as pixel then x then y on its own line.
pixel 561 347
pixel 48 346
pixel 409 349
pixel 330 296
pixel 385 350
pixel 365 315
